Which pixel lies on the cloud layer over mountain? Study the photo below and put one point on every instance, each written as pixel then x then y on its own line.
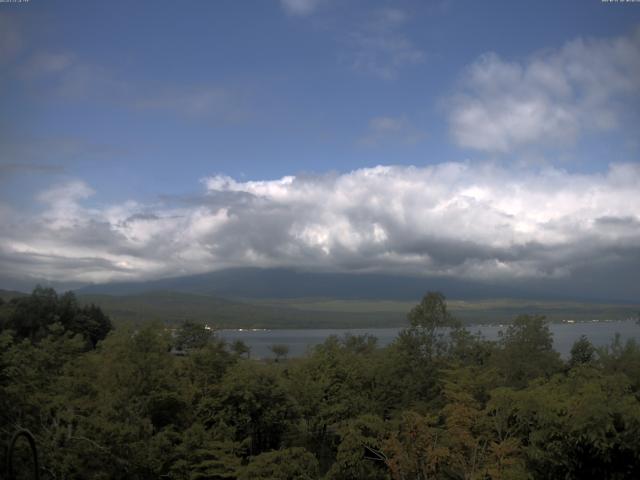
pixel 460 220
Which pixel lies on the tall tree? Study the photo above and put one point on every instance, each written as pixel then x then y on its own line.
pixel 582 352
pixel 280 351
pixel 192 335
pixel 253 404
pixel 527 351
pixel 431 313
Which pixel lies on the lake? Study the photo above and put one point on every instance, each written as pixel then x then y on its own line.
pixel 300 341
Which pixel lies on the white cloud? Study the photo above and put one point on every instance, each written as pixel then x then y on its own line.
pixel 390 130
pixel 65 75
pixel 550 99
pixel 63 203
pixel 387 124
pixel 11 40
pixel 379 47
pixel 205 101
pixel 461 220
pixel 47 63
pixel 376 45
pixel 300 7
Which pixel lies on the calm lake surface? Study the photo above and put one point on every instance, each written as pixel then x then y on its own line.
pixel 302 340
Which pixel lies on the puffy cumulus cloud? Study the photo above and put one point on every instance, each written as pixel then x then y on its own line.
pixel 460 220
pixel 62 201
pixel 549 99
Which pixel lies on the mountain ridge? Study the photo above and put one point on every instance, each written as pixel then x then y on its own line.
pixel 288 283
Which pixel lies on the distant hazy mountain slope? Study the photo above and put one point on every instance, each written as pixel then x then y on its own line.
pixel 281 283
pixel 9 294
pixel 174 307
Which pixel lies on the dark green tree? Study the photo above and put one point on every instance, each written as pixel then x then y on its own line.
pixel 253 404
pixel 365 430
pixel 280 351
pixel 431 313
pixel 203 455
pixel 92 323
pixel 361 344
pixel 205 367
pixel 288 464
pixel 580 425
pixel 240 348
pixel 526 351
pixel 32 316
pixel 582 352
pixel 192 335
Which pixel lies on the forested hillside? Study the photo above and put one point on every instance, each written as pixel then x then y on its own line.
pixel 154 403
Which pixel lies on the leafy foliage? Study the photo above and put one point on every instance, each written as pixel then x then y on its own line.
pixel 288 464
pixel 192 335
pixel 439 403
pixel 527 351
pixel 582 352
pixel 34 316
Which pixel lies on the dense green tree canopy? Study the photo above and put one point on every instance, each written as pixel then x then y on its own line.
pixel 34 316
pixel 438 403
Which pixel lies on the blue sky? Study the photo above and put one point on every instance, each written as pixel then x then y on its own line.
pixel 141 106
